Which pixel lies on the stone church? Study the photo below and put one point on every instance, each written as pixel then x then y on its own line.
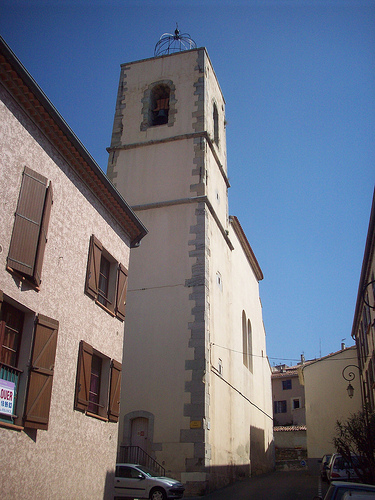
pixel 196 392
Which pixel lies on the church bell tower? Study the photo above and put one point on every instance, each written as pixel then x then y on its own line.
pixel 167 158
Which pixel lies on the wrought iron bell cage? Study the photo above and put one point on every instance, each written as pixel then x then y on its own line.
pixel 169 44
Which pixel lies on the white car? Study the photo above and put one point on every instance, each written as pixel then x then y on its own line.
pixel 137 481
pixel 340 470
pixel 340 490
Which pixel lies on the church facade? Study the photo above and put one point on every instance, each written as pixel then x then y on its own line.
pixel 196 392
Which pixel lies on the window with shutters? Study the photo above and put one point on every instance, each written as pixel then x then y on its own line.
pixel 106 279
pixel 279 406
pixel 27 358
pixel 98 384
pixel 287 384
pixel 29 236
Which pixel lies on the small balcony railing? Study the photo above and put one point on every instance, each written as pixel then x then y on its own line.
pixel 136 455
pixel 9 374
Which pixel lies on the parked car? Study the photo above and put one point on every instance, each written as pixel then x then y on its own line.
pixel 324 466
pixel 137 481
pixel 340 469
pixel 338 490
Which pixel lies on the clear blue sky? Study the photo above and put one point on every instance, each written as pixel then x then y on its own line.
pixel 298 77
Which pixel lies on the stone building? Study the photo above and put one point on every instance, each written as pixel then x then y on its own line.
pixel 61 322
pixel 197 381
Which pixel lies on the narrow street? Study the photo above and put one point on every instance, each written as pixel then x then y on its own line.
pixel 292 485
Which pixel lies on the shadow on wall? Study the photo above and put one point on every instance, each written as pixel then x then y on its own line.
pixel 109 485
pixel 261 461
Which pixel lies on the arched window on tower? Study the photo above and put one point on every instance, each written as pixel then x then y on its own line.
pixel 216 125
pixel 250 345
pixel 159 105
pixel 244 340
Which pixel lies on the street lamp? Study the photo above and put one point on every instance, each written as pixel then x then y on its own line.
pixel 349 377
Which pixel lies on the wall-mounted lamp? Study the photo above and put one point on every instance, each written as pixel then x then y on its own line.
pixel 349 377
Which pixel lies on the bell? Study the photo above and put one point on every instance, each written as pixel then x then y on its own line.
pixel 161 117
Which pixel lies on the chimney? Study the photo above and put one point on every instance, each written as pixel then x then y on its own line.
pixel 342 346
pixel 302 359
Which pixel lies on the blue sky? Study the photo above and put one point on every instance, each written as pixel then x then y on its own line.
pixel 298 77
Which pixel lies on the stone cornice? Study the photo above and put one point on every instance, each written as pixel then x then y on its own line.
pixel 181 137
pixel 246 247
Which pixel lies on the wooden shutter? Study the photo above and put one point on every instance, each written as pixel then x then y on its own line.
pixel 38 400
pixel 93 267
pixel 43 236
pixel 2 325
pixel 114 392
pixel 83 376
pixel 27 223
pixel 122 285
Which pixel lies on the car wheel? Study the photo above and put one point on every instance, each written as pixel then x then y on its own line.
pixel 158 494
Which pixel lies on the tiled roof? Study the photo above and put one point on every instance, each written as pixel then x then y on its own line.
pixel 289 428
pixel 287 373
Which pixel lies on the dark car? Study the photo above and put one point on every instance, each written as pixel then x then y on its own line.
pixel 337 490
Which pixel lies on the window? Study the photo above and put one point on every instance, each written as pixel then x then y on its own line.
pixel 20 333
pixel 250 345
pixel 29 237
pixel 216 125
pixel 158 105
pixel 280 407
pixel 244 340
pixel 296 403
pixel 220 366
pixel 247 342
pixel 106 279
pixel 159 110
pixel 10 336
pixel 98 384
pixel 94 392
pixel 287 384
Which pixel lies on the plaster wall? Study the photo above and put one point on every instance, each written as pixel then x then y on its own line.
pixel 157 336
pixel 75 457
pixel 290 439
pixel 297 416
pixel 327 400
pixel 236 407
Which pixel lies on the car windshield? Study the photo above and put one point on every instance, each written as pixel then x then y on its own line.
pixel 148 472
pixel 341 463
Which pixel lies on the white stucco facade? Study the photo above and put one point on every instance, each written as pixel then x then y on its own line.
pixel 206 414
pixel 76 455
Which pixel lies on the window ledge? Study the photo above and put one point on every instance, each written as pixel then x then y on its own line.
pixel 105 308
pixel 11 426
pixel 94 415
pixel 23 278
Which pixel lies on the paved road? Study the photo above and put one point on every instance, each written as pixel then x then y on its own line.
pixel 279 485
